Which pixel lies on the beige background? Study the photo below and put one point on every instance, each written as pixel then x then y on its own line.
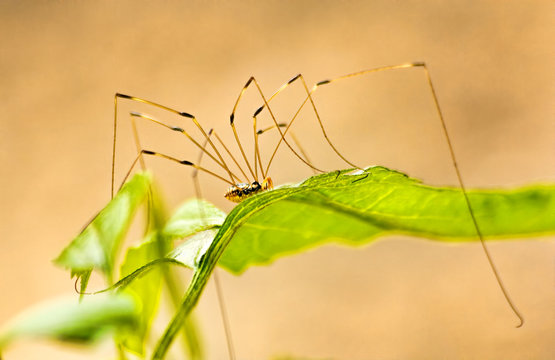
pixel 492 62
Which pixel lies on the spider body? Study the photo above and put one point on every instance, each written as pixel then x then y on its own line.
pixel 240 192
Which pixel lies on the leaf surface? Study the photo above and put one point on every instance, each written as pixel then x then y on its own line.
pixel 73 320
pixel 355 209
pixel 192 217
pixel 97 245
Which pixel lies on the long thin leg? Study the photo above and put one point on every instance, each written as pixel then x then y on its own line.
pixel 467 200
pixel 223 313
pixel 279 129
pixel 256 150
pixel 143 167
pixel 183 114
pixel 257 133
pixel 182 162
pixel 309 98
pixel 295 140
pixel 137 142
pixel 444 127
pixel 128 173
pixel 233 177
pixel 301 149
pixel 230 154
pixel 232 123
pixel 217 283
pixel 186 162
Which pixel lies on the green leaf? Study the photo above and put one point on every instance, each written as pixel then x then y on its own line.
pixel 191 217
pixel 187 221
pixel 96 246
pixel 353 209
pixel 190 252
pixel 73 321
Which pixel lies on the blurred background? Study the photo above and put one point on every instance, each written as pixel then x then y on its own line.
pixel 400 298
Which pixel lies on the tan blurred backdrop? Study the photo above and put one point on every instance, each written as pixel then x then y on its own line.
pixel 491 61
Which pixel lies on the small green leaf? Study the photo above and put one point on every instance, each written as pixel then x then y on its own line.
pixel 191 217
pixel 191 251
pixel 96 246
pixel 73 320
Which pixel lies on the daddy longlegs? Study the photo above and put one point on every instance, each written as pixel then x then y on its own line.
pixel 243 187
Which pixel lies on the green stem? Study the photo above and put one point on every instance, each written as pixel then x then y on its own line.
pixel 191 338
pixel 209 261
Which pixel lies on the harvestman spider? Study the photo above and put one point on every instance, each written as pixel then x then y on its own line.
pixel 240 189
